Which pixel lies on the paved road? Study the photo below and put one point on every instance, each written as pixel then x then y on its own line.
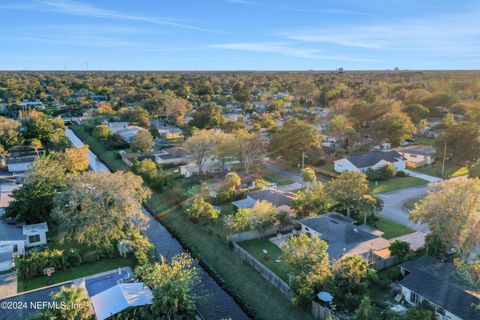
pixel 394 210
pixel 216 303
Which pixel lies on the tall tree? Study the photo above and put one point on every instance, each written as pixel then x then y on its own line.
pixel 462 140
pixel 348 188
pixel 142 141
pixel 201 146
pixel 97 209
pixel 9 133
pixel 311 201
pixel 75 302
pixel 395 126
pixel 293 139
pixel 250 149
pixel 451 211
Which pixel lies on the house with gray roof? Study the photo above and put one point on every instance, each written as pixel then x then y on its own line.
pixel 344 237
pixel 436 282
pixel 418 155
pixel 362 161
pixel 276 197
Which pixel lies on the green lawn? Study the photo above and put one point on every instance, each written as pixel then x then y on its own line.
pixel 395 183
pixel 278 179
pixel 256 246
pixel 390 228
pixel 410 204
pixel 75 273
pixel 451 169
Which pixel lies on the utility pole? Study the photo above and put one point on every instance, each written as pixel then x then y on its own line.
pixel 444 156
pixel 303 159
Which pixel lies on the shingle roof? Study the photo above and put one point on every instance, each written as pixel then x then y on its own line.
pixel 276 197
pixel 368 159
pixel 418 149
pixel 436 281
pixel 343 236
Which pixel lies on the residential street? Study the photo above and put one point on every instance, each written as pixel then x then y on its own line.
pixel 393 205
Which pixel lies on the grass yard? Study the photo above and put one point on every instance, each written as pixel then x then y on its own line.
pixel 410 204
pixel 109 157
pixel 256 246
pixel 75 273
pixel 278 179
pixel 451 169
pixel 395 183
pixel 390 228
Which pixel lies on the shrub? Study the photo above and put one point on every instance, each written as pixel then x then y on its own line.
pixel 90 256
pixel 201 209
pixel 399 248
pixel 73 257
pixel 401 174
pixel 32 263
pixel 386 172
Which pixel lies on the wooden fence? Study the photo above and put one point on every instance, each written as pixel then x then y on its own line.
pixel 264 271
pixel 385 263
pixel 249 235
pixel 319 312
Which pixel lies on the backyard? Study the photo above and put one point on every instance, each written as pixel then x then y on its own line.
pixel 75 273
pixel 395 183
pixel 390 228
pixel 256 248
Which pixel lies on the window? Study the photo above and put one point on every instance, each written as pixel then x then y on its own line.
pixel 15 248
pixel 33 239
pixel 414 298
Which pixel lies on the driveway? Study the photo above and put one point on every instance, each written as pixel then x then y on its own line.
pixel 423 176
pixel 8 285
pixel 394 210
pixel 275 168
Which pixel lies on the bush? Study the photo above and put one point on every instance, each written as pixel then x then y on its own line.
pixel 401 174
pixel 90 256
pixel 400 249
pixel 73 257
pixel 386 172
pixel 32 263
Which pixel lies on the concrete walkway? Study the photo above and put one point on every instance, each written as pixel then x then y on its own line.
pixel 416 239
pixel 8 284
pixel 423 176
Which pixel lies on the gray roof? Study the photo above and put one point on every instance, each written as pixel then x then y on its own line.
pixel 10 232
pixel 342 236
pixel 27 298
pixel 436 281
pixel 368 159
pixel 21 160
pixel 418 149
pixel 276 197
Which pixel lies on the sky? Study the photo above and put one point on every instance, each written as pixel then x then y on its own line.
pixel 239 34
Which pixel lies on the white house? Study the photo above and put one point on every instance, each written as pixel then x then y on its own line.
pixel 418 155
pixel 117 126
pixel 14 239
pixel 374 159
pixel 431 280
pixel 210 165
pixel 16 165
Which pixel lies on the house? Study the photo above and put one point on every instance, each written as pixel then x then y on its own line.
pixel 210 165
pixel 374 159
pixel 418 155
pixel 167 131
pixel 429 279
pixel 173 155
pixel 276 197
pixel 119 297
pixel 128 133
pixel 14 239
pixel 344 237
pixel 434 133
pixel 22 161
pixel 117 126
pixel 108 292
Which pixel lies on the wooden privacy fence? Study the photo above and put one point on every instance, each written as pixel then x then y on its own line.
pixel 264 271
pixel 319 312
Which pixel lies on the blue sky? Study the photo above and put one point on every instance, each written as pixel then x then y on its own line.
pixel 239 34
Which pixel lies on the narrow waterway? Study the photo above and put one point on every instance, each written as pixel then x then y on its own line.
pixel 215 303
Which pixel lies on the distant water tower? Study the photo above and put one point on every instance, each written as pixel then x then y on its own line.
pixel 340 70
pixel 395 69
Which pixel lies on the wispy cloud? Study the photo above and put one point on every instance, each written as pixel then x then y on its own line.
pixel 283 48
pixel 325 10
pixel 447 33
pixel 88 10
pixel 71 40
